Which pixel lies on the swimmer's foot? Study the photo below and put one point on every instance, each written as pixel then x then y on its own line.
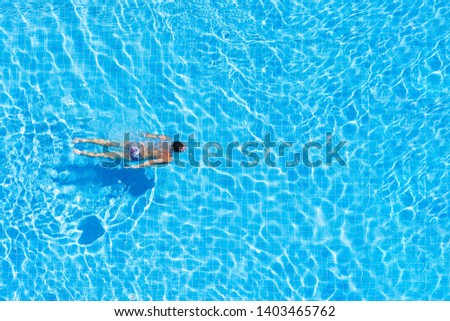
pixel 77 151
pixel 78 140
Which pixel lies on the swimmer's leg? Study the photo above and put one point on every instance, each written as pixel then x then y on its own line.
pixel 95 141
pixel 112 155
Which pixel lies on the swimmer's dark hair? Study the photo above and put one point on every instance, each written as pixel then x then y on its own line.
pixel 178 146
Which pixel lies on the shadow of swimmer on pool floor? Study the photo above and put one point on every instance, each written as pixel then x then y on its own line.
pixel 142 154
pixel 136 183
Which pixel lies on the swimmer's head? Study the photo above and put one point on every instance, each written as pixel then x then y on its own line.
pixel 178 147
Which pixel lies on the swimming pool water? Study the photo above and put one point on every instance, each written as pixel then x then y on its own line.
pixel 374 73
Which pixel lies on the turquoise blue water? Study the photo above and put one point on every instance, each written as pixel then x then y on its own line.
pixel 374 73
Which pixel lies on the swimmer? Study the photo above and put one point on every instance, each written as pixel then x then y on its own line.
pixel 146 154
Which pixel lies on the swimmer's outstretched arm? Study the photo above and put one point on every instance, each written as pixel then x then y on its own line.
pixel 157 136
pixel 152 162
